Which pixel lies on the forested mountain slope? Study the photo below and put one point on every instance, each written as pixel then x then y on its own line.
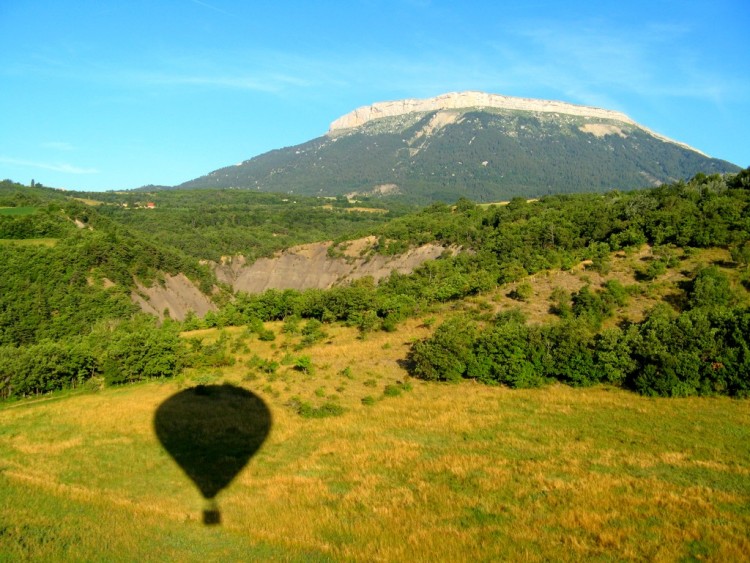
pixel 209 224
pixel 471 145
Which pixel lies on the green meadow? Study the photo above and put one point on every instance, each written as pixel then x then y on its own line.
pixel 16 211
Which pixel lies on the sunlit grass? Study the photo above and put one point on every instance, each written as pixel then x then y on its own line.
pixel 438 472
pixel 30 242
pixel 89 201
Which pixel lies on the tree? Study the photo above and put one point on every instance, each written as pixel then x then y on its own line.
pixel 140 350
pixel 502 354
pixel 447 355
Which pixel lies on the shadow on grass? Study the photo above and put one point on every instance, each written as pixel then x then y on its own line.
pixel 212 431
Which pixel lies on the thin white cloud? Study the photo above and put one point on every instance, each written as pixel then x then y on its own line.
pixel 595 62
pixel 259 82
pixel 58 146
pixel 211 7
pixel 595 56
pixel 54 166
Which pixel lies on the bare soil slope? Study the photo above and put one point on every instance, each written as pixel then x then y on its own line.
pixel 300 267
pixel 178 295
pixel 311 266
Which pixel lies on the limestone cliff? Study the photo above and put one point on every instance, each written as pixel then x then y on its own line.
pixel 463 100
pixel 481 100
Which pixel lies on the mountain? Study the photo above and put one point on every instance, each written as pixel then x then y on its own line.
pixel 482 146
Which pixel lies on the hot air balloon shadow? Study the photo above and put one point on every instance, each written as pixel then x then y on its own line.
pixel 212 431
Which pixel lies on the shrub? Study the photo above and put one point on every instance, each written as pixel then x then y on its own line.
pixel 291 325
pixel 306 410
pixel 392 391
pixel 210 355
pixel 312 332
pixel 523 292
pixel 655 269
pixel 709 288
pixel 266 335
pixel 304 364
pixel 561 304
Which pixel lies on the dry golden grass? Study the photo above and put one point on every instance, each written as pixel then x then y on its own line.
pixel 88 201
pixel 50 242
pixel 624 268
pixel 440 472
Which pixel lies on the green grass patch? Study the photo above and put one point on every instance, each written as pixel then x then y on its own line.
pixel 17 211
pixel 306 410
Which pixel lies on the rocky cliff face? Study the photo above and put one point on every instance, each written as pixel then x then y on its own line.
pixel 469 100
pixel 301 267
pixel 177 294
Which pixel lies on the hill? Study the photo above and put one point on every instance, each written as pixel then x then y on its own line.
pixel 87 268
pixel 475 145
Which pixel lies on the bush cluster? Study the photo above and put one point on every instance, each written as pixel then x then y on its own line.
pixel 702 350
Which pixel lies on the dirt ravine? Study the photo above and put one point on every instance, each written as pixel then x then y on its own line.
pixel 178 295
pixel 307 266
pixel 310 266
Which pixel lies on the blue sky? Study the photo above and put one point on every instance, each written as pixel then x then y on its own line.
pixel 101 95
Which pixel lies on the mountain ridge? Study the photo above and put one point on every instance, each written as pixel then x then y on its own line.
pixel 469 99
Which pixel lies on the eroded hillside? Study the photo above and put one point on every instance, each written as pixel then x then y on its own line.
pixel 321 265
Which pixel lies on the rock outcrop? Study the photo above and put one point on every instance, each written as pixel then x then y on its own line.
pixel 300 267
pixel 463 100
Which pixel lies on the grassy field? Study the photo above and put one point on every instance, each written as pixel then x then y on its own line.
pixel 409 471
pixel 30 241
pixel 89 201
pixel 17 210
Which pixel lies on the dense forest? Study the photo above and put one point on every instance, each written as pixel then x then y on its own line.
pixel 208 224
pixel 68 269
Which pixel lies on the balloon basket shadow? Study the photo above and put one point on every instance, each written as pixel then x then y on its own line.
pixel 211 517
pixel 211 513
